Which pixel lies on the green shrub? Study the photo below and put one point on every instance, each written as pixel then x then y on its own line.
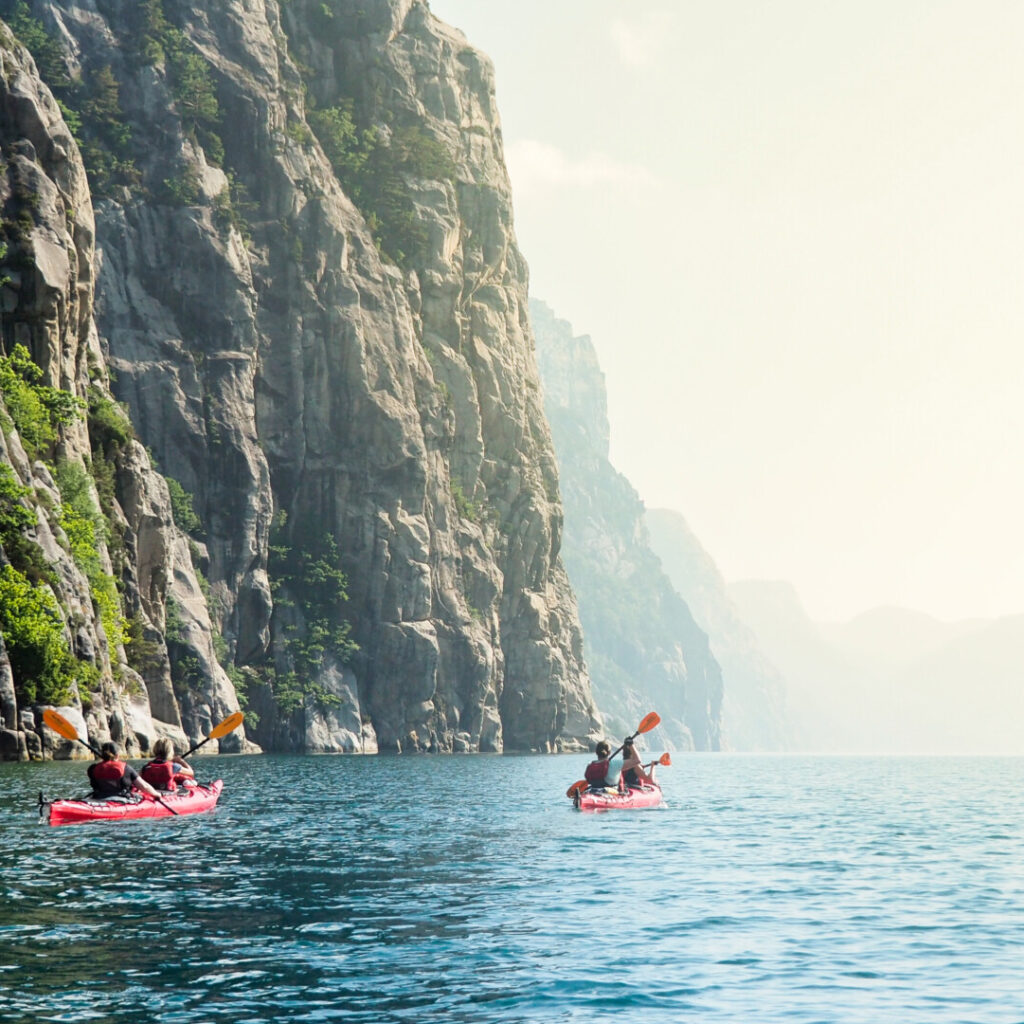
pixel 32 34
pixel 184 190
pixel 182 512
pixel 466 508
pixel 86 529
pixel 90 104
pixel 158 41
pixel 343 143
pixel 35 409
pixel 231 206
pixel 309 573
pixel 375 168
pixel 14 516
pixel 144 655
pixel 186 669
pixel 42 664
pixel 110 429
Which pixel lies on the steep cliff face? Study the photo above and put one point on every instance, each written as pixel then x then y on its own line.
pixel 345 388
pixel 643 647
pixel 754 711
pixel 80 505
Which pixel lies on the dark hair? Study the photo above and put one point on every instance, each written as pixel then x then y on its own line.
pixel 108 751
pixel 603 749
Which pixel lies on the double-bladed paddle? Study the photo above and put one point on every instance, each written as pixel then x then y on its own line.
pixel 579 787
pixel 222 728
pixel 650 721
pixel 59 724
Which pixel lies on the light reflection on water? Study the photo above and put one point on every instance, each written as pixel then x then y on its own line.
pixel 465 889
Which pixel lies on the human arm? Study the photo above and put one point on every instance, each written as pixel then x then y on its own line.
pixel 133 778
pixel 633 769
pixel 183 770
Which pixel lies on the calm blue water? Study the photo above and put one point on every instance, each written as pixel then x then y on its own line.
pixel 465 889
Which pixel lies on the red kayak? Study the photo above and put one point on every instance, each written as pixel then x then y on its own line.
pixel 611 800
pixel 193 800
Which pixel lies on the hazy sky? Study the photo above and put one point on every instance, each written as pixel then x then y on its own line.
pixel 795 233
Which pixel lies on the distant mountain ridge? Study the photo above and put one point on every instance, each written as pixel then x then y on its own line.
pixel 893 680
pixel 754 715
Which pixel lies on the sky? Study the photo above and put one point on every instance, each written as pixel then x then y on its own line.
pixel 795 233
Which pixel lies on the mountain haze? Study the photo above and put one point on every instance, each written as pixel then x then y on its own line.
pixel 754 709
pixel 893 680
pixel 643 647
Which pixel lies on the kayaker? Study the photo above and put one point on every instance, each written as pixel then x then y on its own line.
pixel 634 776
pixel 163 772
pixel 113 777
pixel 605 772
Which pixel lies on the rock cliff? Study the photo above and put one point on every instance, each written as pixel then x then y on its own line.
pixel 80 504
pixel 643 647
pixel 311 301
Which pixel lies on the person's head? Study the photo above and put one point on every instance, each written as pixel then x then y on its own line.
pixel 603 749
pixel 108 751
pixel 163 749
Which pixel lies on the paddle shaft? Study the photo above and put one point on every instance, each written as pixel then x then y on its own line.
pixel 649 722
pixel 623 747
pixel 222 728
pixel 192 750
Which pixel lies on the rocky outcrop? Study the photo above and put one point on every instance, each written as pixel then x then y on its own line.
pixel 643 647
pixel 354 411
pixel 754 709
pixel 52 452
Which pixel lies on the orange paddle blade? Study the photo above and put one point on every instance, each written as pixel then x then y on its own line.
pixel 576 787
pixel 665 759
pixel 58 723
pixel 230 724
pixel 649 722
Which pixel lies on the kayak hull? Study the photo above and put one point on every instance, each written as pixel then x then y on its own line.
pixel 193 800
pixel 609 800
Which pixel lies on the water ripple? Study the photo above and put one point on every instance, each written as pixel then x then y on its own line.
pixel 464 890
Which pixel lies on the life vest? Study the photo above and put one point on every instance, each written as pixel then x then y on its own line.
pixel 597 772
pixel 159 774
pixel 107 777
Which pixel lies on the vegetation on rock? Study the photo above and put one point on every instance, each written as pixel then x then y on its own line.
pixel 307 577
pixel 375 165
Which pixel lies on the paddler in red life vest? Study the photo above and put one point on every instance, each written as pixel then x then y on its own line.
pixel 113 777
pixel 163 772
pixel 606 771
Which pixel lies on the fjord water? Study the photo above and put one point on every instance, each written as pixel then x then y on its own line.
pixel 465 889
